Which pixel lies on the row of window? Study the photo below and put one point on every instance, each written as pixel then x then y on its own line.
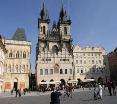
pixel 51 71
pixel 16 66
pixel 18 54
pixel 43 30
pixel 96 70
pixel 90 61
pixel 15 70
pixel 88 54
pixel 60 59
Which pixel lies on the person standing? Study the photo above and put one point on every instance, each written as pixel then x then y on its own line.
pixel 55 97
pixel 109 84
pixel 100 91
pixel 113 87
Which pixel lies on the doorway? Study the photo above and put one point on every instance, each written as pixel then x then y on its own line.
pixel 15 85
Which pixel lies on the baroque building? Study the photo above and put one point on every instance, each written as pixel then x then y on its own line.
pixel 17 62
pixel 90 63
pixel 2 62
pixel 54 60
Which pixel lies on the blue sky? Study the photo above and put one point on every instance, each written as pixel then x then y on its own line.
pixel 94 22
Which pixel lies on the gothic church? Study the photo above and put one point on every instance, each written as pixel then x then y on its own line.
pixel 54 53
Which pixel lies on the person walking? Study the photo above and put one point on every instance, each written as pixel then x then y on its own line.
pixel 16 93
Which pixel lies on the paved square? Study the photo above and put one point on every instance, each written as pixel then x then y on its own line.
pixel 83 97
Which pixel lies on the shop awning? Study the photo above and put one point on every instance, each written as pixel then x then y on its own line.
pixel 72 81
pixel 88 80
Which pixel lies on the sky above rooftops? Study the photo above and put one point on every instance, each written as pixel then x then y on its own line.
pixel 94 22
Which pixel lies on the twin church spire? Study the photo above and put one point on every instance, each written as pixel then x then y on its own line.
pixel 63 16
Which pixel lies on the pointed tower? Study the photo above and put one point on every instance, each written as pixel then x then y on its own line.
pixel 19 35
pixel 43 23
pixel 64 25
pixel 64 22
pixel 44 20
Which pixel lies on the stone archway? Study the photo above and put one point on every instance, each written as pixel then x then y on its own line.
pixel 63 82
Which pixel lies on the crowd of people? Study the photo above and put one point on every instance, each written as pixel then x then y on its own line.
pixel 68 91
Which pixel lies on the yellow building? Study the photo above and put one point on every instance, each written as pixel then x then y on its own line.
pixel 2 60
pixel 17 63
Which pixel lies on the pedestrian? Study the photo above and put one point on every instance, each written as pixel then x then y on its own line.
pixel 113 87
pixel 70 88
pixel 55 96
pixel 66 91
pixel 16 93
pixel 19 92
pixel 109 84
pixel 100 91
pixel 95 94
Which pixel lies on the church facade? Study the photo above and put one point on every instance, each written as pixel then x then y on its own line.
pixel 54 53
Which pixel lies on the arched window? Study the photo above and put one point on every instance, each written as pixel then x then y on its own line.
pixel 43 29
pixel 5 67
pixel 46 71
pixel 41 71
pixel 81 71
pixel 17 54
pixel 55 49
pixel 10 54
pixel 61 71
pixel 24 54
pixel 71 71
pixel 65 30
pixel 65 71
pixel 23 66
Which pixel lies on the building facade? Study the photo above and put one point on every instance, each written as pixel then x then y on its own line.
pixel 112 60
pixel 89 62
pixel 17 62
pixel 2 62
pixel 54 48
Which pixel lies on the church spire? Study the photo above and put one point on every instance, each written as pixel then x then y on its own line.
pixel 63 16
pixel 44 16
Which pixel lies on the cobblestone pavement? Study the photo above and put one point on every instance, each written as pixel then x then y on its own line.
pixel 83 97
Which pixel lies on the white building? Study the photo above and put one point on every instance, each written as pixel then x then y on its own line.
pixel 2 60
pixel 89 62
pixel 17 62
